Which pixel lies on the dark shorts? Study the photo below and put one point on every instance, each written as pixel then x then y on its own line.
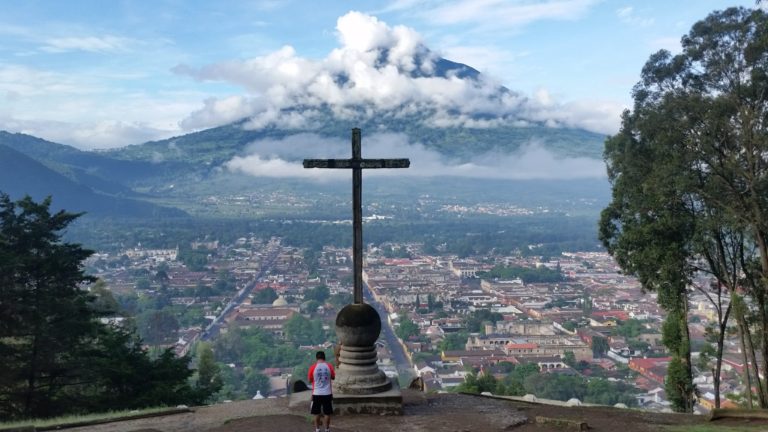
pixel 322 403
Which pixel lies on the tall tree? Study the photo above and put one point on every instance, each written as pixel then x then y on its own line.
pixel 57 357
pixel 690 180
pixel 208 376
pixel 45 313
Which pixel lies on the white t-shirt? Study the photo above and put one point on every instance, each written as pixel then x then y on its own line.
pixel 321 374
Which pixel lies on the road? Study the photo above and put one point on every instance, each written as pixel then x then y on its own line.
pixel 213 328
pixel 404 366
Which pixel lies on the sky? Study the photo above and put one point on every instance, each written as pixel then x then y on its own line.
pixel 96 74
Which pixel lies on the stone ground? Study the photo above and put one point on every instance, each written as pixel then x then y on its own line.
pixel 422 412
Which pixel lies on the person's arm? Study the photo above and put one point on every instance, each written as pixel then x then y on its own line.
pixel 311 374
pixel 333 372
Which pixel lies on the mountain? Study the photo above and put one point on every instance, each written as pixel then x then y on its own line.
pixel 213 147
pixel 454 118
pixel 97 171
pixel 22 175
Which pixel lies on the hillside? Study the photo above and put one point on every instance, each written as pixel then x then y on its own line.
pixel 22 175
pixel 212 147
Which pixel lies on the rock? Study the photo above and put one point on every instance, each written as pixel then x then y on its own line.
pixel 486 394
pixel 530 398
pixel 620 405
pixel 182 407
pixel 573 402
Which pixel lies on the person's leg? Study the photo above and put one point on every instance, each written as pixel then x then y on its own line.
pixel 315 410
pixel 328 410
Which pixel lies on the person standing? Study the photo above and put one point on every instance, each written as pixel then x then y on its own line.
pixel 320 376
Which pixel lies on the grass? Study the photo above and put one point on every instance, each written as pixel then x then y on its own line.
pixel 68 420
pixel 714 428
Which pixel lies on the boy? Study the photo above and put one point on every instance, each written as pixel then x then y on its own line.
pixel 320 375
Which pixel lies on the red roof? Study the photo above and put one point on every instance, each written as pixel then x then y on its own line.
pixel 616 314
pixel 648 363
pixel 522 346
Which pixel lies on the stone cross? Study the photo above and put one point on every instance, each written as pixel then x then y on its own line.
pixel 357 164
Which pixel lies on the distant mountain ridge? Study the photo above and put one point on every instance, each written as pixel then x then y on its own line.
pixel 22 175
pixel 117 179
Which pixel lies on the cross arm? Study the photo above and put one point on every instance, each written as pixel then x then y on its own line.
pixel 360 163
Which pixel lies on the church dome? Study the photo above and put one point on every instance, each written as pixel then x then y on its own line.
pixel 280 301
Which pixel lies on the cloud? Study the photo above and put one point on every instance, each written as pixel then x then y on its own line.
pixel 93 135
pixel 493 13
pixel 627 15
pixel 282 158
pixel 506 13
pixel 94 44
pixel 376 68
pixel 670 43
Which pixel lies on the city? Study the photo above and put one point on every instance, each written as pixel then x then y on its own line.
pixel 575 314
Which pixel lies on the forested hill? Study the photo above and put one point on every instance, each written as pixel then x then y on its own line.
pixel 217 145
pixel 22 175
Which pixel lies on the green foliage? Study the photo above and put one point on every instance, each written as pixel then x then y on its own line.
pixel 242 383
pixel 677 384
pixel 453 342
pixel 476 319
pixel 255 348
pixel 194 259
pixel 320 294
pixel 527 274
pixel 630 328
pixel 302 331
pixel 158 326
pixel 478 384
pixel 407 329
pixel 264 296
pixel 57 356
pixel 208 371
pixel 599 346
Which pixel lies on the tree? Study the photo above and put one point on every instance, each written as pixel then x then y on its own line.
pixel 264 296
pixel 208 373
pixel 569 358
pixel 158 326
pixel 320 294
pixel 453 342
pixel 407 329
pixel 57 356
pixel 45 313
pixel 599 346
pixel 690 182
pixel 303 331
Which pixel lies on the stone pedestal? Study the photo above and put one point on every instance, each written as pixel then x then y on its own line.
pixel 360 387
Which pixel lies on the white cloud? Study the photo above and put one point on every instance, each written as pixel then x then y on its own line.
pixel 96 44
pixel 506 13
pixel 282 158
pixel 93 135
pixel 671 44
pixel 627 15
pixel 377 67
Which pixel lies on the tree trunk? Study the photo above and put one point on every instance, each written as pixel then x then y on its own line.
pixel 31 380
pixel 755 369
pixel 747 379
pixel 719 360
pixel 686 355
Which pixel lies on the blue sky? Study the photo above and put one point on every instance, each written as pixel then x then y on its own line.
pixel 100 74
